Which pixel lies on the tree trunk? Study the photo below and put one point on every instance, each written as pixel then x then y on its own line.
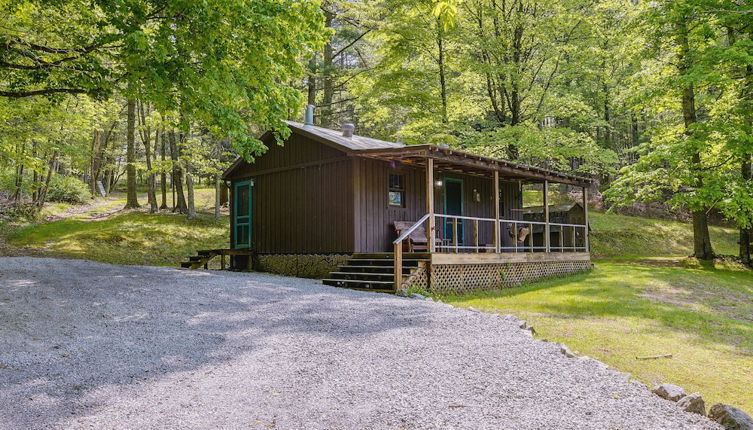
pixel 180 205
pixel 43 191
pixel 163 174
pixel 702 248
pixel 35 174
pixel 146 138
pixel 93 164
pixel 217 200
pixel 17 195
pixel 328 93
pixel 746 166
pixel 189 185
pixel 441 64
pixel 132 200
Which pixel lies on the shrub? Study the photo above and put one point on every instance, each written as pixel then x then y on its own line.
pixel 67 189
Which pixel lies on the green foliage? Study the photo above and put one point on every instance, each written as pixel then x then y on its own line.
pixel 622 310
pixel 68 189
pixel 622 236
pixel 222 63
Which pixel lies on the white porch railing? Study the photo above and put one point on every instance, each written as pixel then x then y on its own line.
pixel 453 235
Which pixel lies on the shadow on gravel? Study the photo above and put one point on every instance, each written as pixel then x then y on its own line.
pixel 68 328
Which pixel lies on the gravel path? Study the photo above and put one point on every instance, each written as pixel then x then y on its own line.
pixel 90 345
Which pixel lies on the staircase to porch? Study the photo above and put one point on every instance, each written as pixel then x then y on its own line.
pixel 374 272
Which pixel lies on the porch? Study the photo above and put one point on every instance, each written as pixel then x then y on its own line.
pixel 470 252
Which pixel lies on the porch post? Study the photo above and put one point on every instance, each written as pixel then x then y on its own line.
pixel 547 235
pixel 496 211
pixel 585 216
pixel 430 232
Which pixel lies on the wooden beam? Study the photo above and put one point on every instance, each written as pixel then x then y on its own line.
pixel 495 187
pixel 505 257
pixel 547 234
pixel 430 232
pixel 398 266
pixel 585 215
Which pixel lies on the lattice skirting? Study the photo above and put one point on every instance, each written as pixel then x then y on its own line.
pixel 466 278
pixel 316 266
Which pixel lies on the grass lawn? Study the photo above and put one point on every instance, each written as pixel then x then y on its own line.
pixel 103 232
pixel 620 310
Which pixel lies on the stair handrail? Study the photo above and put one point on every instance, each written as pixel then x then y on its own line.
pixel 398 254
pixel 410 230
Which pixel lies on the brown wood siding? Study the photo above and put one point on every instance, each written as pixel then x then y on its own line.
pixel 302 199
pixel 374 218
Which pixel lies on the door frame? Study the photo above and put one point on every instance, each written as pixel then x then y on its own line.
pixel 236 186
pixel 447 221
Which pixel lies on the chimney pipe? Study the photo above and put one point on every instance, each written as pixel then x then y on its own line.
pixel 308 118
pixel 348 129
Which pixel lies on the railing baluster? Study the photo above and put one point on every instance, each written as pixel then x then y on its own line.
pixel 455 234
pixel 530 237
pixel 475 235
pixel 573 228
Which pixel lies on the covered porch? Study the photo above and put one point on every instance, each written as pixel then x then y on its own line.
pixel 471 252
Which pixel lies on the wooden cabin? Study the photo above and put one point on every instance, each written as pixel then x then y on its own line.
pixel 366 213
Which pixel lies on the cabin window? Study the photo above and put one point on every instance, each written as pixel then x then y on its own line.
pixel 396 195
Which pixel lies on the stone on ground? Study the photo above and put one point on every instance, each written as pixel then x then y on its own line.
pixel 730 417
pixel 693 403
pixel 669 391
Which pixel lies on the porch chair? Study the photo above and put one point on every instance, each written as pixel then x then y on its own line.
pixel 416 241
pixel 522 234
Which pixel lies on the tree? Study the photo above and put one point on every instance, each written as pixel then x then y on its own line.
pixel 679 163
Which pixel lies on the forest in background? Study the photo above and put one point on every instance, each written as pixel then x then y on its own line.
pixel 654 100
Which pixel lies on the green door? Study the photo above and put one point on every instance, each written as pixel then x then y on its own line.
pixel 242 203
pixel 453 205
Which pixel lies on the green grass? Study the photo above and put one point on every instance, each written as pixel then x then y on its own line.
pixel 703 316
pixel 102 232
pixel 627 237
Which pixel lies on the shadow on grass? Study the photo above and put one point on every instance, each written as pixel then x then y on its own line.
pixel 694 301
pixel 126 237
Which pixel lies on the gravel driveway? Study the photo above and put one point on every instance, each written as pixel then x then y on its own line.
pixel 90 345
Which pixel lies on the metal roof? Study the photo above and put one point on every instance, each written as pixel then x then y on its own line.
pixel 375 148
pixel 355 143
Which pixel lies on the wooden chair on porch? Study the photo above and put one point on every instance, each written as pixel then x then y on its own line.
pixel 417 239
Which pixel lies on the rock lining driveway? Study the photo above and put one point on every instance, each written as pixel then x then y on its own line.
pixel 90 345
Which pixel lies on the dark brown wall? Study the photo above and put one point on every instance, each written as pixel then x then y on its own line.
pixel 374 230
pixel 302 198
pixel 311 198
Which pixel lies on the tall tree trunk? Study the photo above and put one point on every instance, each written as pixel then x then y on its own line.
pixel 43 191
pixel 132 200
pixel 189 186
pixel 180 204
pixel 328 93
pixel 93 163
pixel 441 64
pixel 746 165
pixel 163 174
pixel 311 82
pixel 17 195
pixel 146 138
pixel 217 200
pixel 35 174
pixel 702 248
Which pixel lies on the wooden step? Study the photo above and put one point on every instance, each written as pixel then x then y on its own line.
pixel 358 283
pixel 381 262
pixel 366 277
pixel 372 269
pixel 391 256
